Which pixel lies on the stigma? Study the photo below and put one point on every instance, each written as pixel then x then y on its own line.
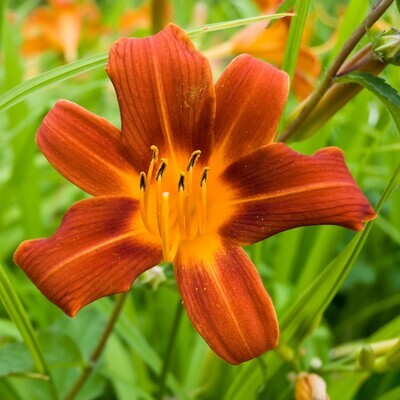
pixel 173 204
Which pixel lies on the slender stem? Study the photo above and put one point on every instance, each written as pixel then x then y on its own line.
pixel 327 81
pixel 17 313
pixel 170 346
pixel 99 348
pixel 157 15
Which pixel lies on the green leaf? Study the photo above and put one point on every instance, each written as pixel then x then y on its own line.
pixel 286 6
pixel 56 75
pixel 16 311
pixel 295 34
pixel 380 88
pixel 218 26
pixel 15 358
pixel 59 351
pixel 393 394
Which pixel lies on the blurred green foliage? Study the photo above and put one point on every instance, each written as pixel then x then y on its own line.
pixel 364 308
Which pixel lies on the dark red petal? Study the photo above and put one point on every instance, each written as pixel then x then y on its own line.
pixel 86 149
pixel 276 188
pixel 165 93
pixel 250 95
pixel 99 249
pixel 226 300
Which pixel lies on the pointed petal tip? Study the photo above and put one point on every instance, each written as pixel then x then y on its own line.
pixel 99 250
pixel 317 190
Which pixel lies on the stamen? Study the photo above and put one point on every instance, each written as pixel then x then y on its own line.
pixel 181 203
pixel 160 172
pixel 203 208
pixel 188 191
pixel 174 247
pixel 142 201
pixel 165 226
pixel 161 168
pixel 154 159
pixel 193 158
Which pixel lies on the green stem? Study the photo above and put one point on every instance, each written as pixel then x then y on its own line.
pixel 17 313
pixel 99 348
pixel 327 81
pixel 157 15
pixel 170 346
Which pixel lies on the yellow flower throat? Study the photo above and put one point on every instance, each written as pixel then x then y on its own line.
pixel 173 209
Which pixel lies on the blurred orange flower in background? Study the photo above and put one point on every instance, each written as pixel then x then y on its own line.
pixel 60 26
pixel 270 44
pixel 132 19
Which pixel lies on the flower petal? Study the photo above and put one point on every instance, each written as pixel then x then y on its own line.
pixel 165 93
pixel 276 188
pixel 226 300
pixel 250 98
pixel 99 249
pixel 86 149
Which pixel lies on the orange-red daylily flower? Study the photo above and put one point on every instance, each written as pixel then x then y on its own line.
pixel 192 176
pixel 60 27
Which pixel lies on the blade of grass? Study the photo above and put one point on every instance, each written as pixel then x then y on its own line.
pixel 17 313
pixel 295 34
pixel 60 74
pixel 234 23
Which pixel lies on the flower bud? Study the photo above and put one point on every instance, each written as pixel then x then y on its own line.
pixel 310 387
pixel 387 47
pixel 390 361
pixel 154 277
pixel 365 357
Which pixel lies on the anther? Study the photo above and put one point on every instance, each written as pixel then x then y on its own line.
pixel 161 168
pixel 181 203
pixel 159 174
pixel 193 159
pixel 203 208
pixel 142 181
pixel 203 178
pixel 142 201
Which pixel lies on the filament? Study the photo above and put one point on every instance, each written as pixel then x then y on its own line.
pixel 181 203
pixel 154 159
pixel 165 226
pixel 188 191
pixel 203 201
pixel 142 202
pixel 159 175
